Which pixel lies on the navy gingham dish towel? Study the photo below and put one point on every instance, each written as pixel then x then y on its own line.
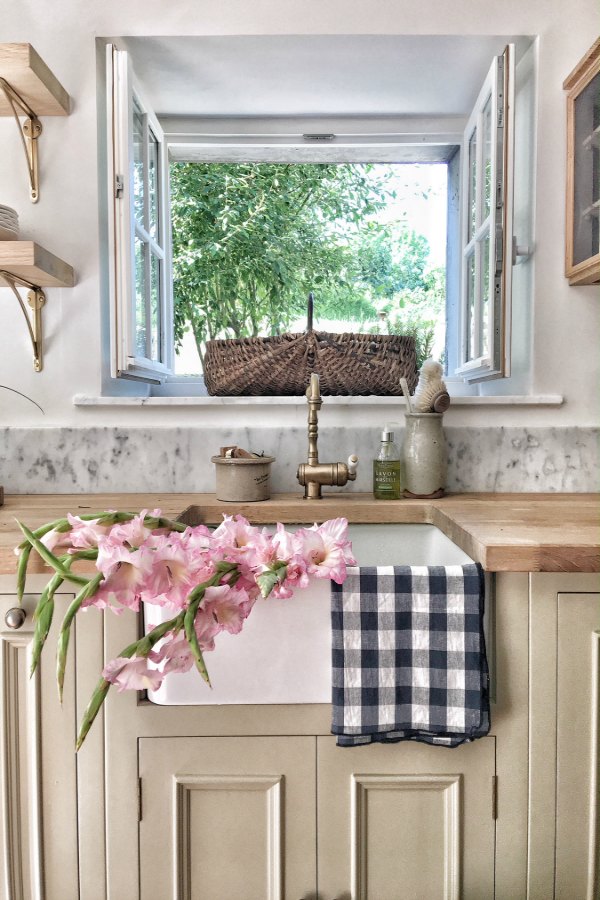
pixel 408 656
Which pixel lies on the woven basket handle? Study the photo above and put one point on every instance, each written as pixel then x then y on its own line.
pixel 309 314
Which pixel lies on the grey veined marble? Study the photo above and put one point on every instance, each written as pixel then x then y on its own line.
pixel 68 460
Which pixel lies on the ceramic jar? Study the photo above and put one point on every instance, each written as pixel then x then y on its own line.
pixel 243 479
pixel 425 456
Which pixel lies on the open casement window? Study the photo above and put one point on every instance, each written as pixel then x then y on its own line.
pixel 486 227
pixel 141 306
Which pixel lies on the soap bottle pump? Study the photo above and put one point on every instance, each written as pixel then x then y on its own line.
pixel 387 469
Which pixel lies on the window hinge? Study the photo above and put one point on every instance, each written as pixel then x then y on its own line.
pixel 118 186
pixel 139 799
pixel 494 796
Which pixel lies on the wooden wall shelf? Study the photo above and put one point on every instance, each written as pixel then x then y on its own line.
pixel 30 77
pixel 26 259
pixel 28 88
pixel 26 264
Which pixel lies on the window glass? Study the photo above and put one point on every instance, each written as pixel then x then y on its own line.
pixel 487 158
pixel 154 307
pixel 487 235
pixel 586 233
pixel 471 348
pixel 152 184
pixel 485 295
pixel 138 165
pixel 472 184
pixel 140 297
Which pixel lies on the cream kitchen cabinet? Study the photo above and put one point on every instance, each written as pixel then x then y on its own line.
pixel 406 821
pixel 565 737
pixel 320 820
pixel 156 792
pixel 240 817
pixel 38 779
pixel 221 816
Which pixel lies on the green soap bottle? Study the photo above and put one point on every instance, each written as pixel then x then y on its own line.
pixel 387 469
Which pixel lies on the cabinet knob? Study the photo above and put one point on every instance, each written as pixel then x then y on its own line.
pixel 15 617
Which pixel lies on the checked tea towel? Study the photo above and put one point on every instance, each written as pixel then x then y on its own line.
pixel 408 655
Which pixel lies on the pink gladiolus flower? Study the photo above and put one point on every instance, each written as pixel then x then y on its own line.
pixel 207 628
pixel 125 572
pixel 240 542
pixel 132 674
pixel 55 541
pixel 173 574
pixel 85 535
pixel 176 654
pixel 132 533
pixel 229 606
pixel 327 550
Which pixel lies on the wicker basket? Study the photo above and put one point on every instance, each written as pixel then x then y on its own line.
pixel 282 365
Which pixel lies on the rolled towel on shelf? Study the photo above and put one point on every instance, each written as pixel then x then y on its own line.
pixel 408 656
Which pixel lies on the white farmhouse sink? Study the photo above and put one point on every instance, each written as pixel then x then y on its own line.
pixel 283 654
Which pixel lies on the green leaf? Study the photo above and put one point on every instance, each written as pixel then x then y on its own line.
pixel 43 619
pixel 22 572
pixel 49 557
pixel 88 590
pixel 91 711
pixel 267 580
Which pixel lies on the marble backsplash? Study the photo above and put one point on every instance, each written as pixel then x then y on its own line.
pixel 69 460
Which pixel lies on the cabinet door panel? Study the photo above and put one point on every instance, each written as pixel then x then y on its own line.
pixel 38 828
pixel 225 814
pixel 406 820
pixel 578 763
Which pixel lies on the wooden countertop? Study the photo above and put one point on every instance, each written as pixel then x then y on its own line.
pixel 504 532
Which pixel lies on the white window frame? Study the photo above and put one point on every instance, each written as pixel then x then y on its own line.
pixel 123 93
pixel 498 88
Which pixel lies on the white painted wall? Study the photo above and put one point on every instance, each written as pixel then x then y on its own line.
pixel 565 326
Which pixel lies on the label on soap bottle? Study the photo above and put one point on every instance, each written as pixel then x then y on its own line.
pixel 387 479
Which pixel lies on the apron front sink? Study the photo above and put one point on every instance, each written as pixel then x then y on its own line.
pixel 283 654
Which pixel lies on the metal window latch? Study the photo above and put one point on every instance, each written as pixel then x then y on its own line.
pixel 118 187
pixel 519 254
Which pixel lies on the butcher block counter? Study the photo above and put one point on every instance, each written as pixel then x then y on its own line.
pixel 504 532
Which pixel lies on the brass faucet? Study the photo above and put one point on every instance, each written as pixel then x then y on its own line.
pixel 313 474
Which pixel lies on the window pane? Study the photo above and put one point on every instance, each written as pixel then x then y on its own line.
pixel 487 158
pixel 153 183
pixel 141 250
pixel 154 307
pixel 486 304
pixel 138 165
pixel 472 183
pixel 247 249
pixel 471 348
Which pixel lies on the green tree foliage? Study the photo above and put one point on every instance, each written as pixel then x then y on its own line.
pixel 251 240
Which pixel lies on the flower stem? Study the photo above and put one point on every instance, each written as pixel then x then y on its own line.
pixel 194 600
pixel 88 590
pixel 138 648
pixel 50 558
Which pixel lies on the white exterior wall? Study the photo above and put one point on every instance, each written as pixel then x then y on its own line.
pixel 564 328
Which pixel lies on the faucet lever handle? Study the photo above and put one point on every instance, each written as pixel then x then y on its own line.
pixel 352 464
pixel 313 392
